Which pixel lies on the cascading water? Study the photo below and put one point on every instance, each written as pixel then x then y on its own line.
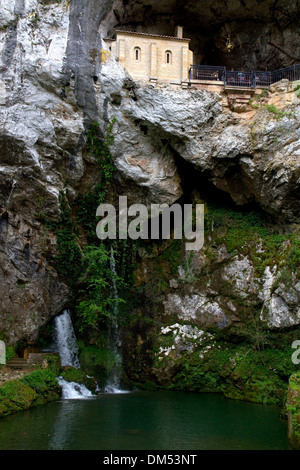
pixel 115 342
pixel 65 340
pixel 65 344
pixel 73 390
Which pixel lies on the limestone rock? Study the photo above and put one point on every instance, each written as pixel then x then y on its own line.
pixel 281 304
pixel 196 308
pixel 32 291
pixel 241 273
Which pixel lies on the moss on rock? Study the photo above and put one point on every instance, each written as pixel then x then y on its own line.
pixel 79 376
pixel 34 389
pixel 238 371
pixel 293 410
pixel 18 393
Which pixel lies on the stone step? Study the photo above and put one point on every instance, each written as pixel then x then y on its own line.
pixel 18 367
pixel 241 95
pixel 18 359
pixel 17 363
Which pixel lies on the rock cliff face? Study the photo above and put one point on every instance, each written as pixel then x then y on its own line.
pixel 57 79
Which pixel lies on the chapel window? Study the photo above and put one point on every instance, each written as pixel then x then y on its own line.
pixel 168 57
pixel 137 53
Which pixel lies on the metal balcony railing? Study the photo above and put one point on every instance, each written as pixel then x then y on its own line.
pixel 262 79
pixel 240 79
pixel 207 72
pixel 291 73
pixel 252 79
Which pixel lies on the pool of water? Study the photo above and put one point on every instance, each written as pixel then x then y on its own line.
pixel 146 421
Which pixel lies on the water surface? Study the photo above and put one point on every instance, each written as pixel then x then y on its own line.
pixel 146 421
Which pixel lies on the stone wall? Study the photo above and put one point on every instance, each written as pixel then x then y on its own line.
pixel 152 56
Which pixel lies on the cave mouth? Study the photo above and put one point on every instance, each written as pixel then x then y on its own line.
pixel 197 188
pixel 265 35
pixel 197 185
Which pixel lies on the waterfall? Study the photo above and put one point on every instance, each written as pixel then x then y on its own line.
pixel 65 340
pixel 73 390
pixel 65 344
pixel 115 342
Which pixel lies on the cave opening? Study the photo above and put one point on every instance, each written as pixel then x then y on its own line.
pixel 197 185
pixel 198 188
pixel 264 35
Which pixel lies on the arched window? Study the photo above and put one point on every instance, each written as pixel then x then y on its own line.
pixel 137 53
pixel 168 57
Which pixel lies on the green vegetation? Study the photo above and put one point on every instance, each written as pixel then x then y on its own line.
pixel 81 213
pixel 97 360
pixel 172 256
pixel 239 370
pixel 54 364
pixel 94 301
pixel 94 298
pixel 293 410
pixel 244 232
pixel 34 389
pixel 10 352
pixel 40 381
pixel 297 91
pixel 85 205
pixel 260 102
pixel 264 93
pixel 69 257
pixel 82 260
pixel 79 376
pixel 245 361
pixel 279 114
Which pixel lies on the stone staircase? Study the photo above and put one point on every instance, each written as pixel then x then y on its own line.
pixel 17 363
pixel 238 99
pixel 33 359
pixel 239 103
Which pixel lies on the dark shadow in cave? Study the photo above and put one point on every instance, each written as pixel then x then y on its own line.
pixel 194 181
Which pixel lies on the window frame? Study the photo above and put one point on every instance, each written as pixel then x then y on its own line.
pixel 137 53
pixel 168 57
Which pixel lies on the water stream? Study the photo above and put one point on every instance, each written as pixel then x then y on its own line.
pixel 65 344
pixel 114 335
pixel 65 340
pixel 73 390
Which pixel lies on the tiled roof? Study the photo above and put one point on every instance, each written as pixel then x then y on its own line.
pixel 151 35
